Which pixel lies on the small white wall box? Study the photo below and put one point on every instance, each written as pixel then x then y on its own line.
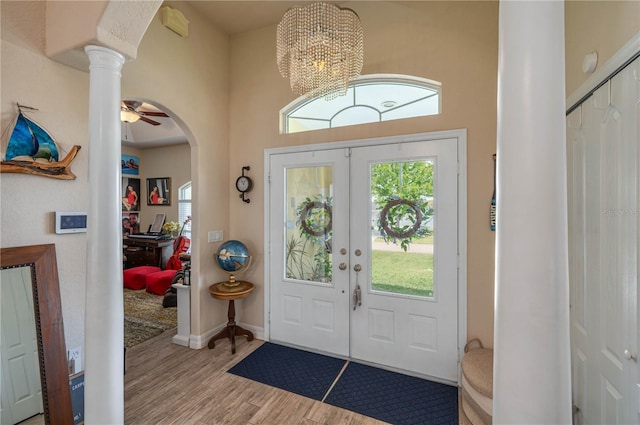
pixel 71 222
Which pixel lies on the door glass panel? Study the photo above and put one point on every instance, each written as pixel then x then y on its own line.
pixel 402 227
pixel 308 221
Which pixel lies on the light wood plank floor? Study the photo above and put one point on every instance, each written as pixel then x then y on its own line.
pixel 169 384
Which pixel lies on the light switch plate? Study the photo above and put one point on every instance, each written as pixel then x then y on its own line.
pixel 215 236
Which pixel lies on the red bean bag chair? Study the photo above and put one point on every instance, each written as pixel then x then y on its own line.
pixel 136 277
pixel 158 282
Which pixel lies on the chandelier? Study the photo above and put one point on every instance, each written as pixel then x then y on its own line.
pixel 320 49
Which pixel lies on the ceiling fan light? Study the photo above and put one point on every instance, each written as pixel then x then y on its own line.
pixel 128 116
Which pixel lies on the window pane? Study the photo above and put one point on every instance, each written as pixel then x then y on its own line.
pixel 376 95
pixel 393 96
pixel 324 109
pixel 297 125
pixel 430 106
pixel 402 228
pixel 308 224
pixel 184 210
pixel 355 115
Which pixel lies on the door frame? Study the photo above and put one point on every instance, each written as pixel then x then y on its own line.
pixel 460 135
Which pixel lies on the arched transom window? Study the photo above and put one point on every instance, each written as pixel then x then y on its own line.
pixel 370 98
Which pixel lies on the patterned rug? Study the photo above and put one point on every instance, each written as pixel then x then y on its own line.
pixel 144 316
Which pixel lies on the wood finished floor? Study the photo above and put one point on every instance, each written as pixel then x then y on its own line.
pixel 169 384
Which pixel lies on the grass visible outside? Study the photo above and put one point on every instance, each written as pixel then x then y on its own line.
pixel 402 273
pixel 427 240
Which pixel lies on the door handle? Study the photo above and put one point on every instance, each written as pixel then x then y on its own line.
pixel 357 297
pixel 357 293
pixel 629 355
pixel 343 266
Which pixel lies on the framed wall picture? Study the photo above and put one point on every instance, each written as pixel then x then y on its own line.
pixel 159 191
pixel 130 194
pixel 130 223
pixel 130 164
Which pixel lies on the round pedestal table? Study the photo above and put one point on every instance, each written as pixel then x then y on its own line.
pixel 230 291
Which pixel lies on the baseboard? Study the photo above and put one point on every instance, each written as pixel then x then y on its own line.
pixel 181 340
pixel 200 341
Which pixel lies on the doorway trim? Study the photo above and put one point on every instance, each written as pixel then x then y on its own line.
pixel 460 135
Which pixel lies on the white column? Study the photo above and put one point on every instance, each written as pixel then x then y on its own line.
pixel 104 317
pixel 532 381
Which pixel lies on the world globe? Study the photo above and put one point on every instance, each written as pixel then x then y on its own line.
pixel 233 257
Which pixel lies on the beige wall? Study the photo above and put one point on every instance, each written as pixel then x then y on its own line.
pixel 170 161
pixel 600 26
pixel 28 202
pixel 227 98
pixel 188 79
pixel 454 43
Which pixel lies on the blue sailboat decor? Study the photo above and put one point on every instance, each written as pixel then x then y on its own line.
pixel 31 150
pixel 31 140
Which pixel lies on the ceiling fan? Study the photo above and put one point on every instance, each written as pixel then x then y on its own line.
pixel 129 112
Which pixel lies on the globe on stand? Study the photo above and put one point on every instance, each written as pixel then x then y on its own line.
pixel 233 258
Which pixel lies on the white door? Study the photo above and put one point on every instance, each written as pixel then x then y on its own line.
pixel 407 317
pixel 341 281
pixel 603 136
pixel 309 296
pixel 21 395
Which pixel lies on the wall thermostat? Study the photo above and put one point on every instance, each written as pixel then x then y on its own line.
pixel 71 222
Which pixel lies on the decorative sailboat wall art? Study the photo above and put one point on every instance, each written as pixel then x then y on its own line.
pixel 31 150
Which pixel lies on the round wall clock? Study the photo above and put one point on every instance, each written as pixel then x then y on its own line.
pixel 244 184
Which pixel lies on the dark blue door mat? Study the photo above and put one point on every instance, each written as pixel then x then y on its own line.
pixel 394 397
pixel 296 371
pixel 388 396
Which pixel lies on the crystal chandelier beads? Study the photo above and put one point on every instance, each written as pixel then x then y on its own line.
pixel 320 49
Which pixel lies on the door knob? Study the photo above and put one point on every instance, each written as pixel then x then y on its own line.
pixel 357 267
pixel 629 355
pixel 343 266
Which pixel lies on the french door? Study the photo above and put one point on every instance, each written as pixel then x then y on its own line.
pixel 363 254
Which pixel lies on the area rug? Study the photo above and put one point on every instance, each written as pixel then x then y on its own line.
pixel 377 393
pixel 394 397
pixel 144 316
pixel 296 371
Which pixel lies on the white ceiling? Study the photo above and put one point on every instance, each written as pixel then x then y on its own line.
pixel 232 17
pixel 144 135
